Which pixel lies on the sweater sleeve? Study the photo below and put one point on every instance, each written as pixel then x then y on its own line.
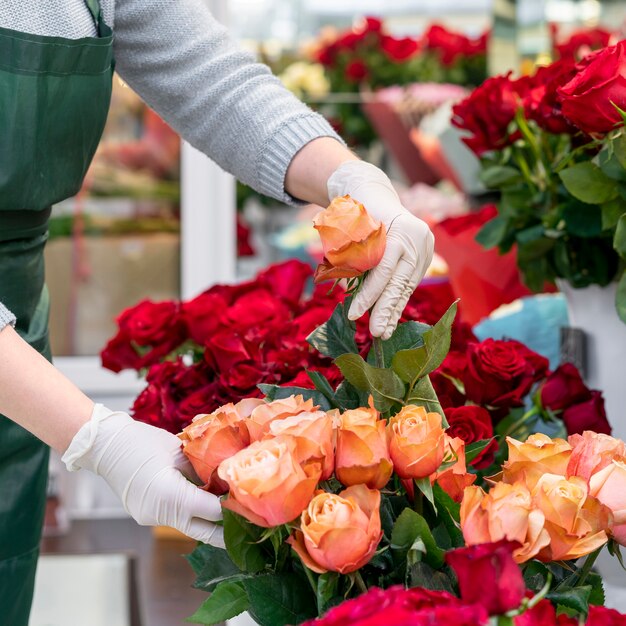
pixel 6 317
pixel 187 67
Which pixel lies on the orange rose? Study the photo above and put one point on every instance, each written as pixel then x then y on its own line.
pixel 268 486
pixel 592 452
pixel 538 455
pixel 506 512
pixel 314 431
pixel 609 487
pixel 261 417
pixel 455 478
pixel 575 522
pixel 339 533
pixel 210 439
pixel 352 240
pixel 362 452
pixel 416 442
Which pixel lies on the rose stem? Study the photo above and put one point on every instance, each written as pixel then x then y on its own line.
pixel 360 583
pixel 378 352
pixel 586 569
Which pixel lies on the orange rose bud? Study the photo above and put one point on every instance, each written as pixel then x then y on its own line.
pixel 575 521
pixel 531 459
pixel 210 439
pixel 609 487
pixel 362 452
pixel 261 417
pixel 416 442
pixel 268 486
pixel 315 435
pixel 455 478
pixel 339 533
pixel 352 240
pixel 506 512
pixel 592 452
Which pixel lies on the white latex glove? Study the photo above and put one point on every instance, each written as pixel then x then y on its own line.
pixel 408 253
pixel 146 468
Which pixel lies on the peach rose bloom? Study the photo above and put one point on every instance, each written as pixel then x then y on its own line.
pixel 362 455
pixel 416 442
pixel 268 486
pixel 211 439
pixel 339 533
pixel 267 412
pixel 609 487
pixel 538 455
pixel 506 512
pixel 315 434
pixel 575 522
pixel 592 452
pixel 455 478
pixel 352 240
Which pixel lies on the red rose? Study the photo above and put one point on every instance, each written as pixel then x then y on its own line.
pixel 600 83
pixel 542 102
pixel 286 280
pixel 244 247
pixel 486 114
pixel 473 423
pixel 449 44
pixel 226 349
pixel 356 71
pixel 305 324
pixel 601 616
pixel 563 388
pixel 588 415
pixel 257 308
pixel 150 323
pixel 584 40
pixel 202 400
pixel 373 24
pixel 500 373
pixel 399 49
pixel 204 315
pixel 244 378
pixel 542 614
pixel 147 406
pixel 119 354
pixel 489 576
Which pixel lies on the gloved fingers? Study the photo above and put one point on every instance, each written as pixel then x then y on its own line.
pixel 402 302
pixel 376 281
pixel 206 532
pixel 394 290
pixel 184 466
pixel 203 504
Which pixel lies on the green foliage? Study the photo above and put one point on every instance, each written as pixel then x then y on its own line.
pixel 575 598
pixel 276 392
pixel 242 543
pixel 228 600
pixel 413 541
pixel 211 566
pixel 587 182
pixel 336 336
pixel 423 394
pixel 406 337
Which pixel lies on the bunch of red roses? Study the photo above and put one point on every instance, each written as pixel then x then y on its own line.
pixel 490 584
pixel 216 348
pixel 580 42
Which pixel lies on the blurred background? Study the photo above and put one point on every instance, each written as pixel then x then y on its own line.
pixel 158 220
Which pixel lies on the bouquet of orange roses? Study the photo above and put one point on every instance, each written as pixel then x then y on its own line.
pixel 334 492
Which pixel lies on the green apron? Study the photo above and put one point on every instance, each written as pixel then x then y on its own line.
pixel 54 98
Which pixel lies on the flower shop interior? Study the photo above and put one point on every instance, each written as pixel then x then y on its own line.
pixel 498 131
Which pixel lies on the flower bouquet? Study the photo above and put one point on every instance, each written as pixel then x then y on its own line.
pixel 370 488
pixel 554 146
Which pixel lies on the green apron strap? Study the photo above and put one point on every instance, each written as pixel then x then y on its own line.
pixel 95 10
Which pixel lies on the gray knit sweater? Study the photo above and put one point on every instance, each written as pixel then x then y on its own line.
pixel 185 65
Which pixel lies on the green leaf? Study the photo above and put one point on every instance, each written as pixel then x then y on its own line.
pixel 326 591
pixel 423 484
pixel 323 386
pixel 211 566
pixel 280 599
pixel 612 158
pixel 611 212
pixel 597 596
pixel 410 528
pixel 587 182
pixel 576 598
pixel 424 394
pixel 276 392
pixel 241 538
pixel 411 365
pixel 336 336
pixel 582 220
pixel 620 300
pixel 619 241
pixel 421 574
pixel 619 149
pixel 532 250
pixel 535 575
pixel 500 176
pixel 406 337
pixel 384 385
pixel 449 512
pixel 228 600
pixel 472 450
pixel 348 397
pixel 493 232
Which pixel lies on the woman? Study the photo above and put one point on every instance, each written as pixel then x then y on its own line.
pixel 56 66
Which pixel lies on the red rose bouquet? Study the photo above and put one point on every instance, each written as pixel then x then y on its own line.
pixel 553 145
